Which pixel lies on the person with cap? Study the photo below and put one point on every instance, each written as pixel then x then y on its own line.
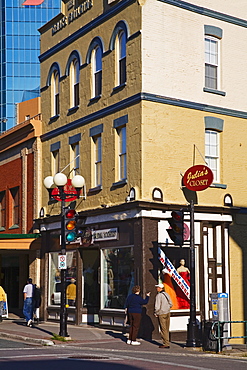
pixel 28 302
pixel 162 308
pixel 71 292
pixel 134 311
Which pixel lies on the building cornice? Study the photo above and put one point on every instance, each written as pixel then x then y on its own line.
pixel 207 12
pixel 135 99
pixel 85 29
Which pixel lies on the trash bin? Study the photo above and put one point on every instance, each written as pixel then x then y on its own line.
pixel 209 343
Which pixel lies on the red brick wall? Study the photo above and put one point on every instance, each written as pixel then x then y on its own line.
pixel 10 177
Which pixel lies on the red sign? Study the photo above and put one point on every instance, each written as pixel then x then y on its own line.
pixel 33 2
pixel 198 178
pixel 70 191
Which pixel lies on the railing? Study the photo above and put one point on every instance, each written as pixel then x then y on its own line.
pixel 216 332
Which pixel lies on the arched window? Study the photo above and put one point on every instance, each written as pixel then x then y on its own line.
pixel 121 58
pixel 74 83
pixel 55 93
pixel 97 71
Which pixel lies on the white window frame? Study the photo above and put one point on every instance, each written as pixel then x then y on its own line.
pixel 96 72
pixel 55 162
pixel 212 60
pixel 74 83
pixel 120 58
pixel 122 152
pixel 55 87
pixel 212 152
pixel 75 157
pixel 97 160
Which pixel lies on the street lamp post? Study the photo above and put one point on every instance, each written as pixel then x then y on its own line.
pixel 193 334
pixel 60 180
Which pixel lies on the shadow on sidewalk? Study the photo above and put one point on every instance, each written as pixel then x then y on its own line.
pixel 116 335
pixel 21 323
pixel 124 338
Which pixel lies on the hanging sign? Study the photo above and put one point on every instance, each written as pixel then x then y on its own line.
pixel 198 178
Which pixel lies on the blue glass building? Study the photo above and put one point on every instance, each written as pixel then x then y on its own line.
pixel 19 51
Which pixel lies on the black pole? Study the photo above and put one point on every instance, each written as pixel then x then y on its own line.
pixel 193 333
pixel 63 313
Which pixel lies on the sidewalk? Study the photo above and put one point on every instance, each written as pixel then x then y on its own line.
pixel 15 328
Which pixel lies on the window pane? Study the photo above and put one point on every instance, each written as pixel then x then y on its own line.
pixel 210 76
pixel 3 209
pixel 122 154
pixel 54 289
pixel 98 60
pixel 118 276
pixel 122 45
pixel 98 83
pixel 212 152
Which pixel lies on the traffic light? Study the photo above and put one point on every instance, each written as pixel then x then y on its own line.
pixel 176 230
pixel 70 225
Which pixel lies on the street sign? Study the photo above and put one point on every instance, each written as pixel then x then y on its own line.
pixel 62 263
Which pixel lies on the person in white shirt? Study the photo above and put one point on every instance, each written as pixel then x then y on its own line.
pixel 28 302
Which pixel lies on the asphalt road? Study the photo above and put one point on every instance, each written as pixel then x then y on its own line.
pixel 21 356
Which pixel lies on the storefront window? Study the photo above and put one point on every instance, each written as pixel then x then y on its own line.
pixel 175 275
pixel 118 276
pixel 55 280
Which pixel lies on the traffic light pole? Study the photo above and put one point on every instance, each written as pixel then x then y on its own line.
pixel 193 333
pixel 63 313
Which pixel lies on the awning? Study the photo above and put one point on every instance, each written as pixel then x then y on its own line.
pixel 18 241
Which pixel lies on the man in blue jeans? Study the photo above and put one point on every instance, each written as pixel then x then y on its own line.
pixel 28 302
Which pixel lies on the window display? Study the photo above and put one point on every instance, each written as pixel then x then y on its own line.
pixel 118 276
pixel 55 280
pixel 175 276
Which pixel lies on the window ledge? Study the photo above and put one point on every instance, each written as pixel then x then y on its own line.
pixel 95 98
pixel 120 183
pixel 213 91
pixel 119 87
pixel 219 186
pixel 73 109
pixel 95 189
pixel 53 118
pixel 14 227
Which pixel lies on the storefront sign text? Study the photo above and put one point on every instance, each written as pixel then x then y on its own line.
pixel 74 14
pixel 106 234
pixel 198 178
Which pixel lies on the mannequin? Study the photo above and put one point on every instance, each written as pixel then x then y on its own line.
pixel 183 301
pixel 182 267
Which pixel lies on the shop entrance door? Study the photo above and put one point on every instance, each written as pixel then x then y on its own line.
pixel 90 259
pixel 10 279
pixel 215 257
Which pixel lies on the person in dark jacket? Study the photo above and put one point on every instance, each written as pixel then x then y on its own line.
pixel 134 309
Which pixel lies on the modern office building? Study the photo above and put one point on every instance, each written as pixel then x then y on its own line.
pixel 19 50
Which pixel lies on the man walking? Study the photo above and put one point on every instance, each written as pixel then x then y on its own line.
pixel 163 305
pixel 28 302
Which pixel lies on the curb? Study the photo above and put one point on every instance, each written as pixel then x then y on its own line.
pixel 44 342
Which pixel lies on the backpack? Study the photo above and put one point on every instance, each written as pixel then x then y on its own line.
pixel 36 296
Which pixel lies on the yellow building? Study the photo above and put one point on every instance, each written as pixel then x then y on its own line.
pixel 133 94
